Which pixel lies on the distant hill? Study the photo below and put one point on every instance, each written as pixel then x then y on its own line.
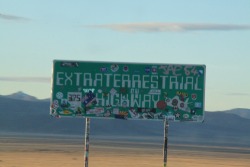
pixel 32 117
pixel 21 96
pixel 242 112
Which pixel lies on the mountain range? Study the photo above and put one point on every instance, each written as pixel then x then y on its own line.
pixel 23 114
pixel 22 96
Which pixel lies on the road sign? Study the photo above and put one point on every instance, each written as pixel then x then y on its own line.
pixel 128 90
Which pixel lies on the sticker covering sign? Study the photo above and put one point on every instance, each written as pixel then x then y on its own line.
pixel 128 90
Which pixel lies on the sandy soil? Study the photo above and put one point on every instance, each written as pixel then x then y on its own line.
pixel 23 152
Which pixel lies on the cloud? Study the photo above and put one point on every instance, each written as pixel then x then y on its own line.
pixel 13 18
pixel 169 27
pixel 238 94
pixel 26 79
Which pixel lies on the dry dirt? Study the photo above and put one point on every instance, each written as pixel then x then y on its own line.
pixel 21 152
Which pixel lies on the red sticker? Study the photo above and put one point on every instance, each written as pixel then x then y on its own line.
pixel 161 104
pixel 194 96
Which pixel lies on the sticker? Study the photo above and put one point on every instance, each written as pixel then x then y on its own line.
pixel 105 93
pixel 122 115
pixel 194 96
pixel 75 100
pixel 125 68
pixel 66 112
pixel 154 92
pixel 103 69
pixel 174 102
pixel 117 116
pixel 182 105
pixel 55 104
pixel 98 110
pixel 183 94
pixel 115 110
pixel 79 111
pixel 146 110
pixel 161 104
pixel 177 103
pixel 177 115
pixel 59 95
pixel 124 104
pixel 113 91
pixel 168 100
pixel 186 116
pixel 53 112
pixel 182 98
pixel 147 69
pixel 107 114
pixel 89 99
pixel 192 111
pixel 69 64
pixel 64 103
pixel 154 70
pixel 123 91
pixel 170 117
pixel 148 115
pixel 133 113
pixel 109 106
pixel 198 105
pixel 194 117
pixel 125 113
pixel 88 90
pixel 74 96
pixel 114 67
pixel 200 72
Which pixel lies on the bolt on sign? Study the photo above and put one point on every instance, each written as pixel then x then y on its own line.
pixel 128 90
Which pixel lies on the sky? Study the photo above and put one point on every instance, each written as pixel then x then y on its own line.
pixel 216 33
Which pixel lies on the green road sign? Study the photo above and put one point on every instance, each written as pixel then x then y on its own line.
pixel 128 90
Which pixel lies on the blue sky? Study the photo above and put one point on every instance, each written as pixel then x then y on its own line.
pixel 211 32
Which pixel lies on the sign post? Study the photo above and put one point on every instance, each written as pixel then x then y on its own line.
pixel 136 91
pixel 86 147
pixel 165 146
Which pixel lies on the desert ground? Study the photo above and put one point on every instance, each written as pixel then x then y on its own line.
pixel 40 151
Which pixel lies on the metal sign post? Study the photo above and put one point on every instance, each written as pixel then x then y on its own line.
pixel 165 146
pixel 86 153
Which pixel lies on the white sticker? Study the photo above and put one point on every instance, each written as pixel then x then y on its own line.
pixel 59 95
